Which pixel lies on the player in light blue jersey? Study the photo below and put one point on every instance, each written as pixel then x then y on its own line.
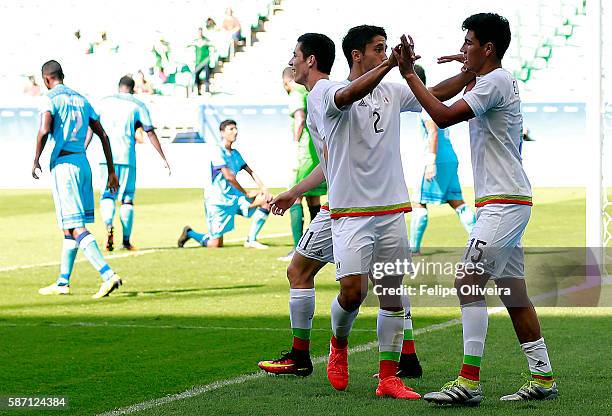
pixel 226 198
pixel 121 115
pixel 439 183
pixel 65 117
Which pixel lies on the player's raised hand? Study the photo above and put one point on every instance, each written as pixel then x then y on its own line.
pixel 282 202
pixel 113 182
pixel 36 167
pixel 458 57
pixel 405 56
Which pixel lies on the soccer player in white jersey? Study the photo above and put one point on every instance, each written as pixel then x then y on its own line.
pixel 64 119
pixel 331 105
pixel 503 197
pixel 312 62
pixel 121 115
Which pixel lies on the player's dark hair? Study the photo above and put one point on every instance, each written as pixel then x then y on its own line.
pixel 127 81
pixel 357 38
pixel 418 69
pixel 53 69
pixel 490 27
pixel 226 123
pixel 321 47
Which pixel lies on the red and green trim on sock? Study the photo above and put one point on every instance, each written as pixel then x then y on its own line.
pixel 408 344
pixel 388 364
pixel 545 377
pixel 471 367
pixel 301 339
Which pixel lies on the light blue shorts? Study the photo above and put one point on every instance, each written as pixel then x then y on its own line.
pixel 220 218
pixel 127 183
pixel 72 191
pixel 442 188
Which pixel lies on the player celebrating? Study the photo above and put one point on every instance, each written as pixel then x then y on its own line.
pixel 121 115
pixel 65 117
pixel 314 250
pixel 225 197
pixel 503 198
pixel 440 182
pixel 364 48
pixel 307 158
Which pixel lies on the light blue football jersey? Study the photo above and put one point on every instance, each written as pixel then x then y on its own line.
pixel 445 153
pixel 121 114
pixel 71 113
pixel 219 191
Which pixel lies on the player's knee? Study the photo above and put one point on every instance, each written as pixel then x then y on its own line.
pixel 299 278
pixel 214 243
pixel 353 295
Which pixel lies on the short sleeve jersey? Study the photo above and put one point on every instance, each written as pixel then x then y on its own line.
pixel 218 190
pixel 121 115
pixel 71 113
pixel 445 152
pixel 363 140
pixel 496 140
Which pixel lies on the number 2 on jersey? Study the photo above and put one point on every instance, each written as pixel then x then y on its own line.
pixel 376 128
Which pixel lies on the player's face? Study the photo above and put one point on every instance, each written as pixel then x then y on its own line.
pixel 375 53
pixel 299 65
pixel 230 133
pixel 474 53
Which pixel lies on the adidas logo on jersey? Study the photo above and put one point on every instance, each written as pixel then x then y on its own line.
pixel 362 103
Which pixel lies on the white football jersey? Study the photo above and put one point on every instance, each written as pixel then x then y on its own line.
pixel 496 138
pixel 364 166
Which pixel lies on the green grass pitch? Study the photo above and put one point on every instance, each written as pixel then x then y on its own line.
pixel 194 316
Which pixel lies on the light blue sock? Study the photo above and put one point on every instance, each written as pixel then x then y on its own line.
pixel 259 219
pixel 69 252
pixel 107 209
pixel 418 224
pixel 200 238
pixel 467 217
pixel 126 212
pixel 90 248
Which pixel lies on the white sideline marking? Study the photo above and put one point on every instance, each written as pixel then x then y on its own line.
pixel 127 254
pixel 199 390
pixel 110 325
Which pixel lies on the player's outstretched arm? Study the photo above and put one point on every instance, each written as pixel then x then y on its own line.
pixel 444 116
pixel 450 87
pixel 363 85
pixel 285 200
pixel 157 145
pixel 98 130
pixel 41 139
pixel 259 182
pixel 231 178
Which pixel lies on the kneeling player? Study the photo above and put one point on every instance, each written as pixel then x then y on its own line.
pixel 226 198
